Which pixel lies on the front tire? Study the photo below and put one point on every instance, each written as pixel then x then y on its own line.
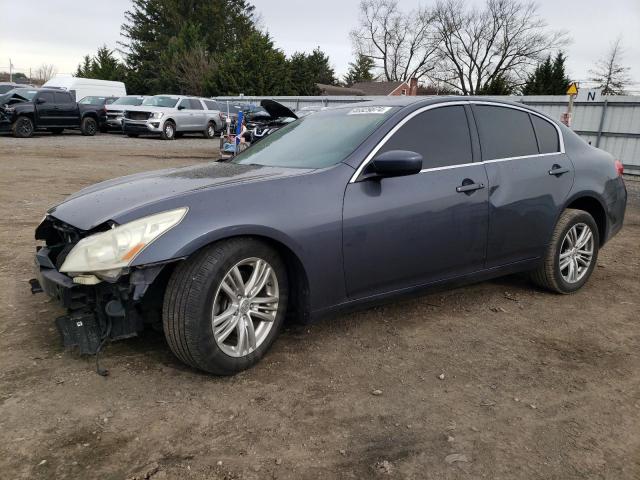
pixel 89 126
pixel 571 255
pixel 210 132
pixel 224 307
pixel 168 130
pixel 22 127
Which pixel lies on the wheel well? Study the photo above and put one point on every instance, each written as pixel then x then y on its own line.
pixel 298 310
pixel 90 115
pixel 595 209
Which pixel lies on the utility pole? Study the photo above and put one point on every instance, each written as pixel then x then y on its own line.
pixel 10 71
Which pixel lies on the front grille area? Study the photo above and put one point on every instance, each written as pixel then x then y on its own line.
pixel 137 115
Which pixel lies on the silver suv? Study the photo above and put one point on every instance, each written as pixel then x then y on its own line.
pixel 170 116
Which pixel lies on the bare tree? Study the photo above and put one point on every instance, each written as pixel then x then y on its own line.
pixel 192 68
pixel 609 73
pixel 403 45
pixel 45 72
pixel 502 40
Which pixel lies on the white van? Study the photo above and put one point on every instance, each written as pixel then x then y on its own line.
pixel 83 87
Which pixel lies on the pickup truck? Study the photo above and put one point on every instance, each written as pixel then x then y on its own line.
pixel 25 110
pixel 171 116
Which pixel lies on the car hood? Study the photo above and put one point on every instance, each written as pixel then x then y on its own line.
pixel 277 110
pixel 112 199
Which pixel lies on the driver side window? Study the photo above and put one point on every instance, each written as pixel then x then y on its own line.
pixel 441 135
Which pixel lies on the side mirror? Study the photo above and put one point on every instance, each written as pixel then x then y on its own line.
pixel 394 163
pixel 40 101
pixel 181 107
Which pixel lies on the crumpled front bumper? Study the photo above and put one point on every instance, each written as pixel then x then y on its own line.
pixel 94 312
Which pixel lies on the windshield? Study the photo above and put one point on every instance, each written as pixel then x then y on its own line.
pixel 135 101
pixel 318 140
pixel 160 101
pixel 27 93
pixel 93 101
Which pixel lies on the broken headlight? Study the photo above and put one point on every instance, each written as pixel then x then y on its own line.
pixel 109 251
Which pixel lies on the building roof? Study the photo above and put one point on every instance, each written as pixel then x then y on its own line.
pixel 337 90
pixel 377 88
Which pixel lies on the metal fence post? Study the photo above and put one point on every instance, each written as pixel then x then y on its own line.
pixel 604 112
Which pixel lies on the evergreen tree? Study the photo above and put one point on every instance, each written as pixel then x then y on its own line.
pixel 153 25
pixel 306 70
pixel 360 70
pixel 549 78
pixel 500 85
pixel 104 66
pixel 254 67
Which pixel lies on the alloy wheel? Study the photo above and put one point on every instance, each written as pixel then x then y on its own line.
pixel 168 130
pixel 25 127
pixel 245 307
pixel 576 253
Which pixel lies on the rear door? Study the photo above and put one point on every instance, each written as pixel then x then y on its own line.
pixel 529 180
pixel 198 116
pixel 408 231
pixel 67 109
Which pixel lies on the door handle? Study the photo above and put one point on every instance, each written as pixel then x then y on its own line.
pixel 557 170
pixel 469 187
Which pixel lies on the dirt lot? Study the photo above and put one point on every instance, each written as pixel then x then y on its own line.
pixel 535 385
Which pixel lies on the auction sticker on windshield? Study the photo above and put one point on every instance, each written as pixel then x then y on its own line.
pixel 369 110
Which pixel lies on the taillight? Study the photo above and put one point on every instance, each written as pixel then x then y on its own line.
pixel 619 167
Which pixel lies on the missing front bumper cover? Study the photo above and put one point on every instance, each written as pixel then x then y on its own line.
pixel 80 329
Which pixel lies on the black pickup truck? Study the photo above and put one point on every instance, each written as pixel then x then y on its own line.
pixel 25 110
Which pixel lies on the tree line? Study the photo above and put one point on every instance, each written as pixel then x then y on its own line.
pixel 202 47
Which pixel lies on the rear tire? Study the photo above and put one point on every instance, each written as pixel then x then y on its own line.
pixel 196 304
pixel 571 255
pixel 168 130
pixel 22 127
pixel 89 126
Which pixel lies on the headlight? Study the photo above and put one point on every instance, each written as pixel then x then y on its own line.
pixel 116 248
pixel 156 115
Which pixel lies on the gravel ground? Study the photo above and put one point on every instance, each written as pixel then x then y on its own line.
pixel 494 380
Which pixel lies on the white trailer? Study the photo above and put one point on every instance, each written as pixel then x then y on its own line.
pixel 83 87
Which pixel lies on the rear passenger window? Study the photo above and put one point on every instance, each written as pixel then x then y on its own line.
pixel 211 104
pixel 440 135
pixel 504 132
pixel 546 134
pixel 195 104
pixel 63 97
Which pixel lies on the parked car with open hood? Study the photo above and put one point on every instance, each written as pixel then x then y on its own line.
pixel 170 116
pixel 272 116
pixel 348 206
pixel 26 110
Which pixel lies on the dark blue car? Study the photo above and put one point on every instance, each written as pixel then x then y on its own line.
pixel 345 207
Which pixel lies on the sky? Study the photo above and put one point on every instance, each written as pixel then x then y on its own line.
pixel 34 33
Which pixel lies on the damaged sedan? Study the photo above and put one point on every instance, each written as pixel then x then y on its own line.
pixel 347 207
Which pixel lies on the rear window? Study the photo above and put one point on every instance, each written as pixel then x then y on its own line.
pixel 63 97
pixel 504 132
pixel 547 135
pixel 211 104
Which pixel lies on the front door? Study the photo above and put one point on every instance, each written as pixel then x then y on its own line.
pixel 408 231
pixel 46 108
pixel 67 109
